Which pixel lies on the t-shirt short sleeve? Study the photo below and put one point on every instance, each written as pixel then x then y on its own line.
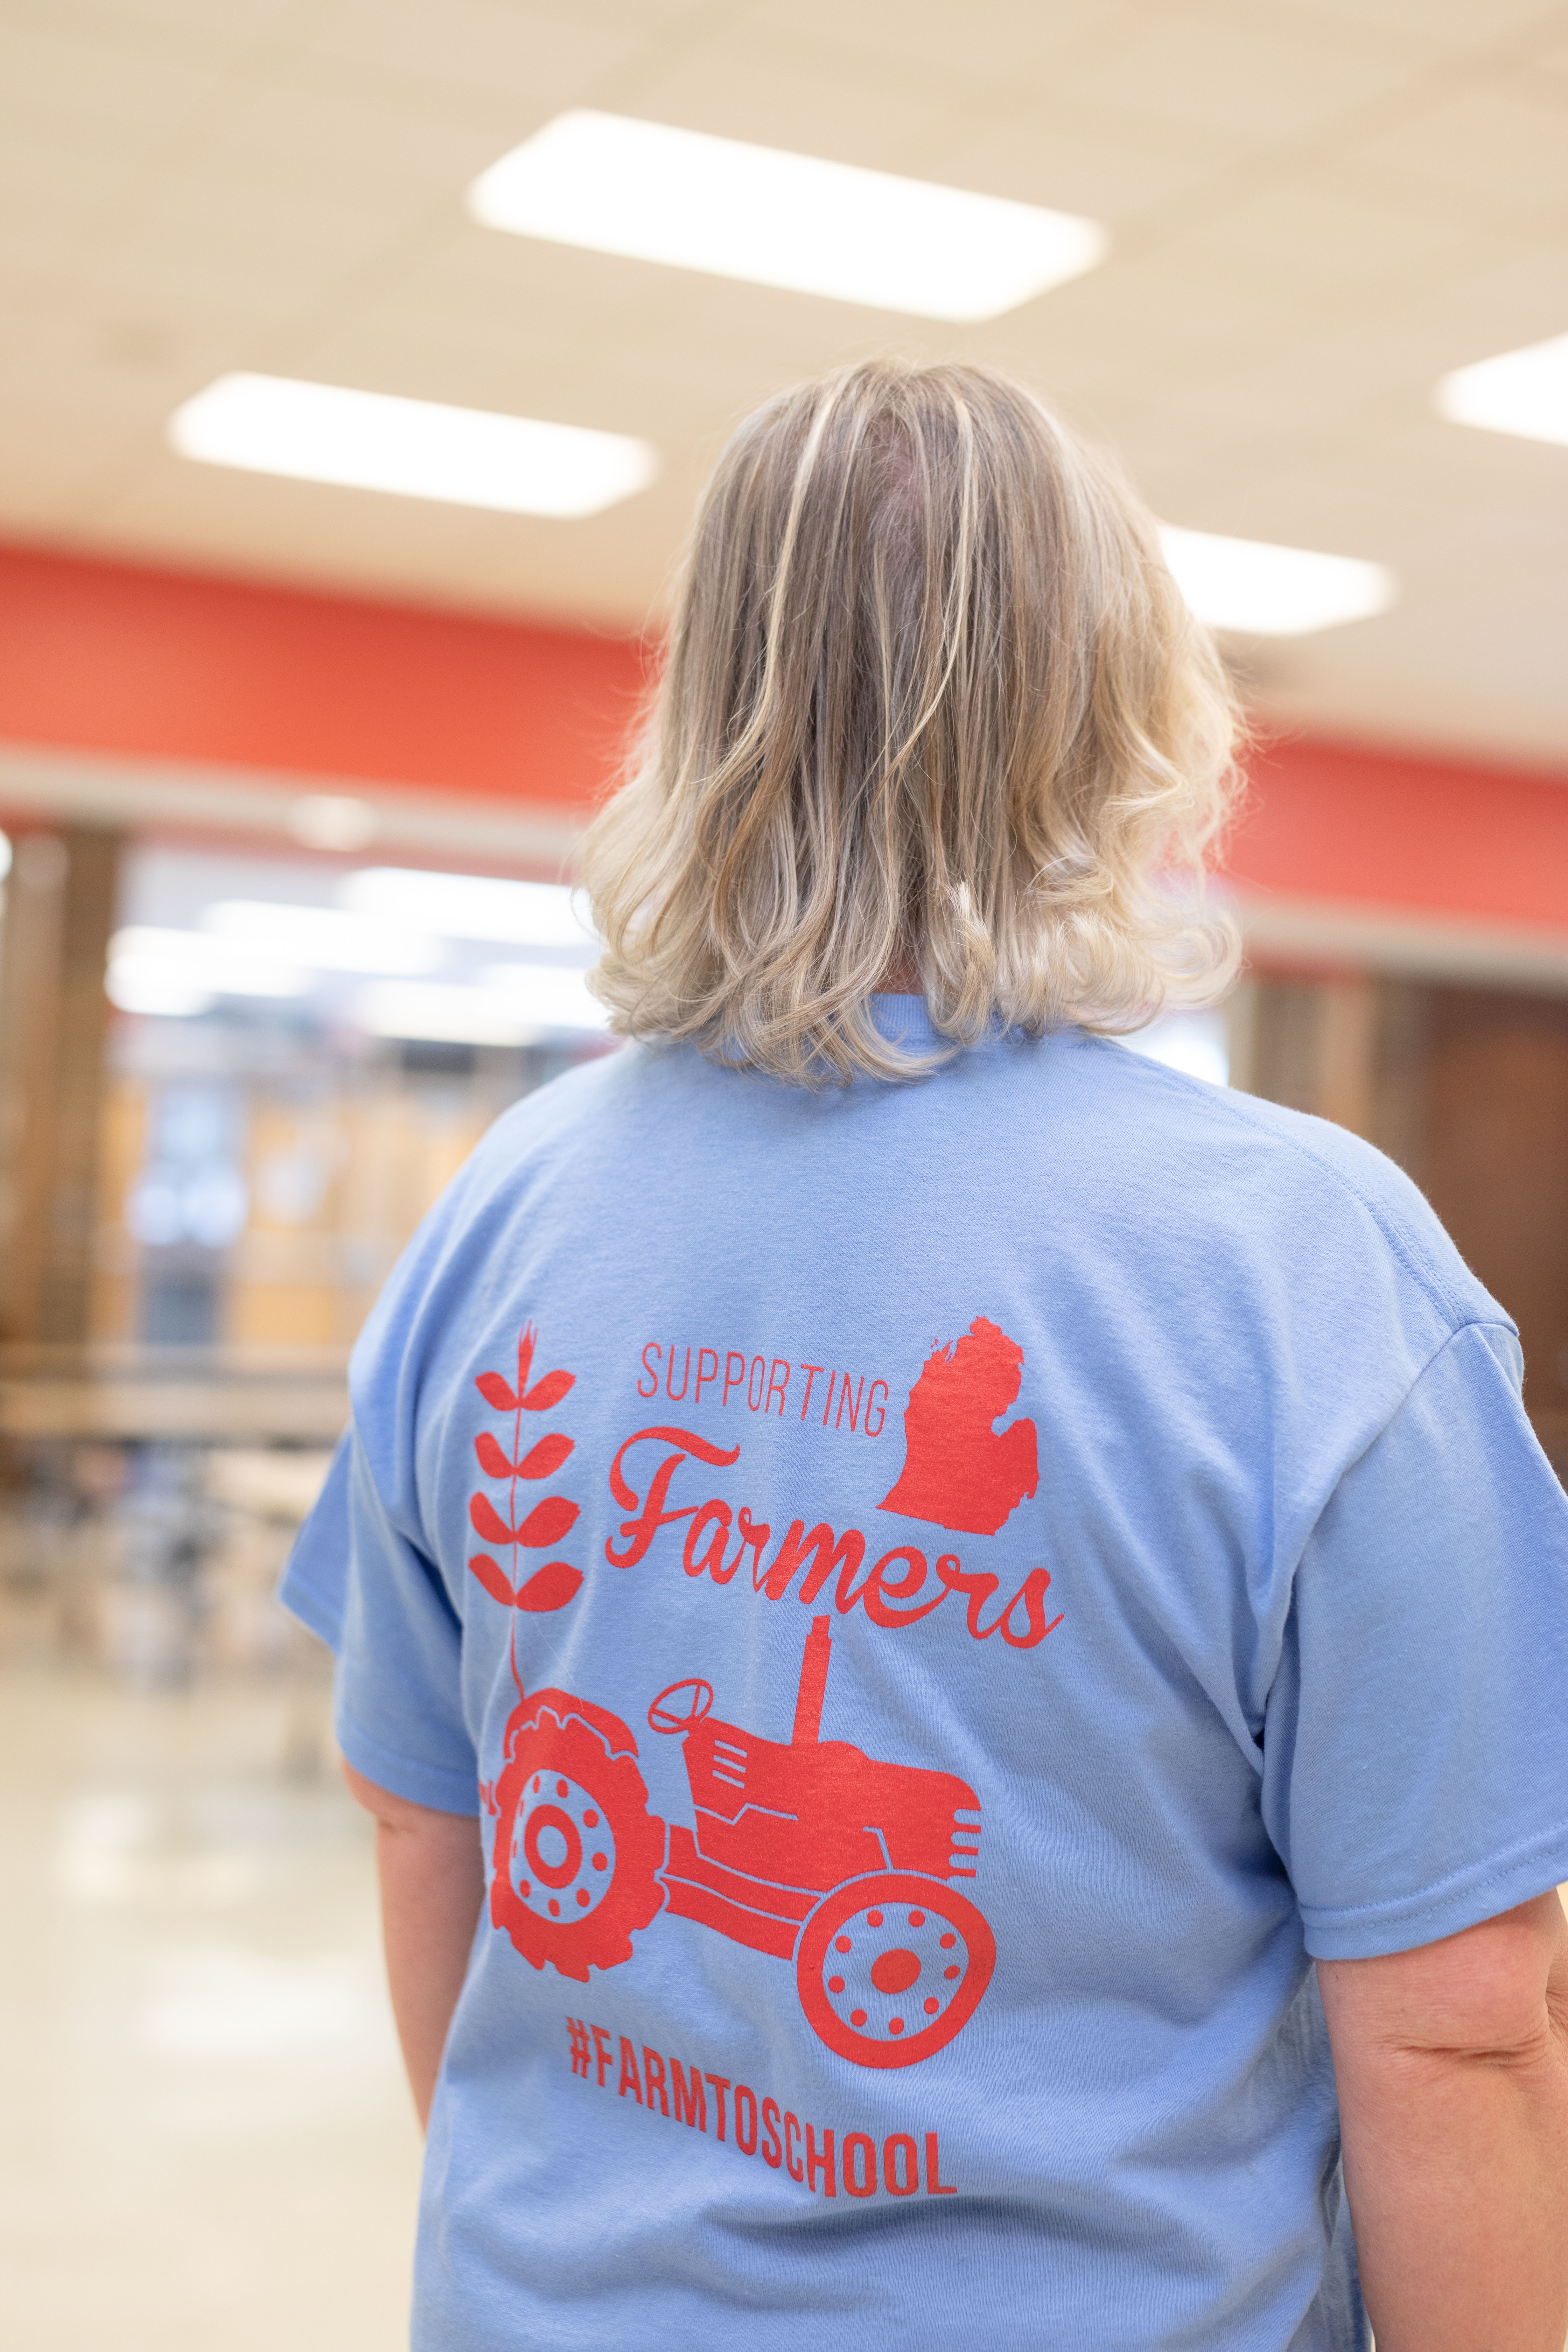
pixel 1416 1743
pixel 315 1573
pixel 380 1605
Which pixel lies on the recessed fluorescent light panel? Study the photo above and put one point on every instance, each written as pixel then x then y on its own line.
pixel 654 194
pixel 472 907
pixel 1523 392
pixel 415 448
pixel 332 821
pixel 323 938
pixel 1273 591
pixel 153 968
pixel 547 995
pixel 518 1005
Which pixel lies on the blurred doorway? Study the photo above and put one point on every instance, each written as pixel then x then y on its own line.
pixel 232 1081
pixel 1467 1089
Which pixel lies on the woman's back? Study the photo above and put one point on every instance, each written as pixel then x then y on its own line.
pixel 948 1563
pixel 941 1618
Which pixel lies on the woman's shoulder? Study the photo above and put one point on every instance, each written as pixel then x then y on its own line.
pixel 1309 1193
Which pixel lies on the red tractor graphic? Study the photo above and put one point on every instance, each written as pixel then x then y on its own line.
pixel 810 1851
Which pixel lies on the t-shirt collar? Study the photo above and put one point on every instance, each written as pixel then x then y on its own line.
pixel 904 1021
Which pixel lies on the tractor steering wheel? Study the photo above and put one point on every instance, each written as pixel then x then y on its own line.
pixel 682 1705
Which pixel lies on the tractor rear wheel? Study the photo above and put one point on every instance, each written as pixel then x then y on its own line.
pixel 892 1966
pixel 575 1849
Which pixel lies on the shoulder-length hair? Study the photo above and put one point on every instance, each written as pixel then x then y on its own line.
pixel 931 705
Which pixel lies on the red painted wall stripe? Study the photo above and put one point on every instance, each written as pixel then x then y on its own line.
pixel 180 665
pixel 1340 821
pixel 175 665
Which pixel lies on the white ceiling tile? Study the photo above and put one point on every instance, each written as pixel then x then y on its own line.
pixel 1518 297
pixel 1043 151
pixel 1444 25
pixel 58 433
pixel 1326 248
pixel 1000 44
pixel 1485 151
pixel 518 63
pixel 1147 322
pixel 360 539
pixel 218 25
pixel 280 261
pixel 60 83
pixel 810 97
pixel 1541 84
pixel 1407 685
pixel 584 339
pixel 52 190
pixel 116 356
pixel 313 137
pixel 47 182
pixel 644 20
pixel 1247 83
pixel 1547 59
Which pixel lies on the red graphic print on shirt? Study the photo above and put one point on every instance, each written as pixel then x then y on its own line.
pixel 553 1585
pixel 960 1471
pixel 575 1846
pixel 809 1851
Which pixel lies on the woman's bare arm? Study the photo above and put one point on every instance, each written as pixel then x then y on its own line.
pixel 1452 2066
pixel 432 1875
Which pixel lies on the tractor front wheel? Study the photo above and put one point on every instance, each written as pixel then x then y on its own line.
pixel 892 1966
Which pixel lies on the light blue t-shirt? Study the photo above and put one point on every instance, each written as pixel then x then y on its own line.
pixel 943 1597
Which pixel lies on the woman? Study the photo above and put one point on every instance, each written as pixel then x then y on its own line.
pixel 947 1562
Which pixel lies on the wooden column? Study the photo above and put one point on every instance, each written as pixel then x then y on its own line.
pixel 1467 1089
pixel 59 912
pixel 1347 1051
pixel 1313 1042
pixel 1497 1172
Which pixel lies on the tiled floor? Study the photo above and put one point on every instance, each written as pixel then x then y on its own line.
pixel 205 2137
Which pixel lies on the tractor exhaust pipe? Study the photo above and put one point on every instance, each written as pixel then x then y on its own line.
pixel 813 1683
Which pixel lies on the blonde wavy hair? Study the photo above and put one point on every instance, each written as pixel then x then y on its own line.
pixel 932 707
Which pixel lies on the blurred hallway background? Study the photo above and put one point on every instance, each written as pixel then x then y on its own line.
pixel 359 367
pixel 205 2137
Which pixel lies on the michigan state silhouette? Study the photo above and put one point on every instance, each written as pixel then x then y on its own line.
pixel 960 1471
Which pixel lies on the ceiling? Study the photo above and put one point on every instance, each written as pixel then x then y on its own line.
pixel 1317 208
